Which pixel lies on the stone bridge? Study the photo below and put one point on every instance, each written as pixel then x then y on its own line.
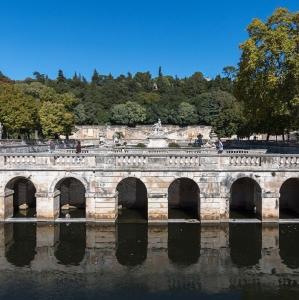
pixel 207 186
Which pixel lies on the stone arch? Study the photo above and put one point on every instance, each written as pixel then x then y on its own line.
pixel 132 199
pixel 72 200
pixel 22 192
pixel 245 198
pixel 183 199
pixel 289 199
pixel 60 178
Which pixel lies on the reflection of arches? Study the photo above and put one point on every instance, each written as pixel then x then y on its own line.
pixel 183 199
pixel 72 197
pixel 70 249
pixel 288 245
pixel 131 245
pixel 24 200
pixel 20 243
pixel 183 243
pixel 245 199
pixel 245 242
pixel 289 199
pixel 132 199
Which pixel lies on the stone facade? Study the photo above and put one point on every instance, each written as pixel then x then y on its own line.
pixel 101 173
pixel 140 132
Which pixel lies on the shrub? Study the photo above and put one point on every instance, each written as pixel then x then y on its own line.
pixel 173 145
pixel 141 145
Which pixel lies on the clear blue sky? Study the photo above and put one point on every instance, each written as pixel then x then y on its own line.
pixel 183 36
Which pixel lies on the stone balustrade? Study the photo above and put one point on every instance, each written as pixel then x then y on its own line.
pixel 149 159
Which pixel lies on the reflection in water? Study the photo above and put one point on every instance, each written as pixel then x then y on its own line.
pixel 178 261
pixel 289 245
pixel 70 249
pixel 245 242
pixel 131 243
pixel 20 243
pixel 183 243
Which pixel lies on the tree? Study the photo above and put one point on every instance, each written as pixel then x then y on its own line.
pixel 186 114
pixel 268 78
pixel 129 113
pixel 18 111
pixel 229 72
pixel 55 119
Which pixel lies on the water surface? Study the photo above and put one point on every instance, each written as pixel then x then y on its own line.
pixel 140 261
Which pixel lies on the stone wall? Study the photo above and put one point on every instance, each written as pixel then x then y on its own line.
pixel 140 132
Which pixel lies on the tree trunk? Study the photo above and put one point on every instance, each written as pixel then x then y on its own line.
pixel 268 136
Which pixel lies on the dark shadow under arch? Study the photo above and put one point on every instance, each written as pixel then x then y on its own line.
pixel 132 200
pixel 288 245
pixel 289 199
pixel 72 200
pixel 131 243
pixel 20 243
pixel 183 199
pixel 24 200
pixel 245 243
pixel 245 199
pixel 70 248
pixel 183 243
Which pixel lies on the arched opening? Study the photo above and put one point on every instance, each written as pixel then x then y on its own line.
pixel 288 245
pixel 24 200
pixel 289 199
pixel 183 199
pixel 70 249
pixel 72 200
pixel 20 243
pixel 183 243
pixel 132 200
pixel 131 244
pixel 245 242
pixel 245 199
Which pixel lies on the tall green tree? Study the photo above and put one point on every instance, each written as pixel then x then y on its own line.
pixel 268 78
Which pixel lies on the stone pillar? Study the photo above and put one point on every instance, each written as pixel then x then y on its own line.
pixel 270 248
pixel 270 207
pixel 157 207
pixel 47 206
pixel 6 204
pixel 46 235
pixel 213 208
pixel 105 208
pixel 90 206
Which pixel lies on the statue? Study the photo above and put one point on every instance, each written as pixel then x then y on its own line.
pixel 157 128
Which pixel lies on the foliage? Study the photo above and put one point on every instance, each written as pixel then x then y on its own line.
pixel 18 112
pixel 268 78
pixel 173 145
pixel 129 113
pixel 141 145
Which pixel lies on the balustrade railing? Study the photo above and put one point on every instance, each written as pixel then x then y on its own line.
pixel 169 159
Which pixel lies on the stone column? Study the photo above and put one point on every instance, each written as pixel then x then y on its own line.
pixel 270 207
pixel 6 204
pixel 213 208
pixel 90 206
pixel 270 248
pixel 157 207
pixel 47 206
pixel 105 208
